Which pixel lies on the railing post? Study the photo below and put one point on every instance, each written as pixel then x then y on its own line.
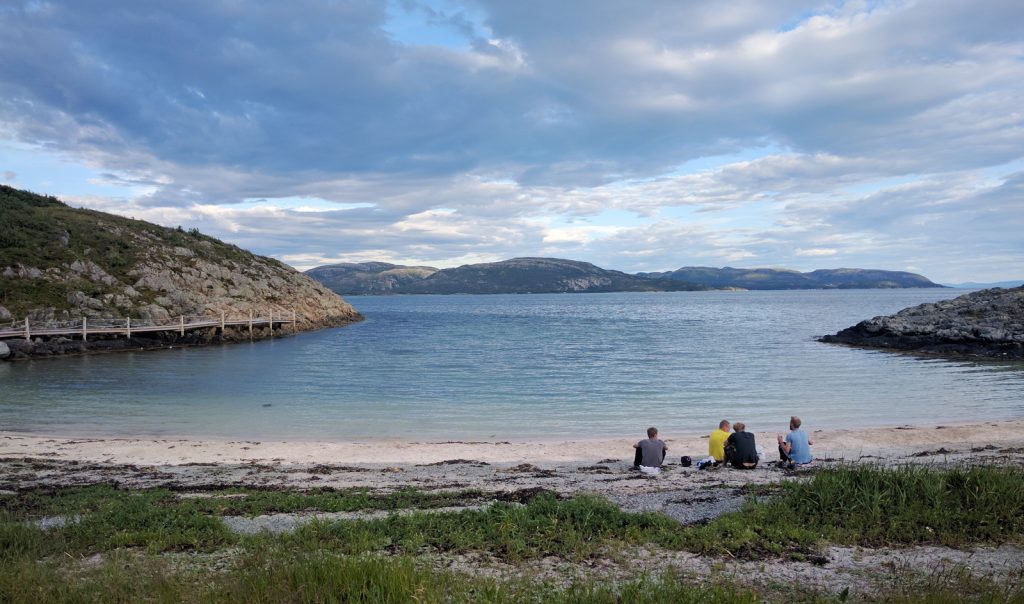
pixel 85 329
pixel 294 330
pixel 222 322
pixel 182 323
pixel 271 322
pixel 28 333
pixel 250 323
pixel 129 328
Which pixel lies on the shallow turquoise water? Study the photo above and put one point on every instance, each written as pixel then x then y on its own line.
pixel 528 366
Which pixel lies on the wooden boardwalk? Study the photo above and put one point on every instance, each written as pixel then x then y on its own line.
pixel 125 327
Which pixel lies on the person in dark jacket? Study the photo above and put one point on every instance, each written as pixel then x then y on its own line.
pixel 740 448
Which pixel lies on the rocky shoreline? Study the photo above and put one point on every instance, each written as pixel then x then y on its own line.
pixel 984 324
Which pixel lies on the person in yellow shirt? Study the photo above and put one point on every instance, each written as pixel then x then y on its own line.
pixel 716 444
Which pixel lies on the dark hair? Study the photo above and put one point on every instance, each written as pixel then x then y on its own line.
pixel 652 432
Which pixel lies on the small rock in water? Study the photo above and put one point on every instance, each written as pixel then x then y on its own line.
pixel 268 404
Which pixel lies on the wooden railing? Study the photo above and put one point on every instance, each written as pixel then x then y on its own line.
pixel 86 327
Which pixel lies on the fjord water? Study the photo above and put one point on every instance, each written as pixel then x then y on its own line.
pixel 522 367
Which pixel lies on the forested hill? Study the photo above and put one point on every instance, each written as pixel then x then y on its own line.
pixel 769 278
pixel 515 276
pixel 546 275
pixel 368 278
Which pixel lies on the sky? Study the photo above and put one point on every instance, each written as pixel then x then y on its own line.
pixel 640 136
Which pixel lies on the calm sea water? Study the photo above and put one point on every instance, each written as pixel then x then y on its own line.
pixel 528 366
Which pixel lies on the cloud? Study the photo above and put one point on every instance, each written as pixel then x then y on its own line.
pixel 756 132
pixel 9 175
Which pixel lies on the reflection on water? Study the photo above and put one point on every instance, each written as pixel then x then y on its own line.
pixel 540 366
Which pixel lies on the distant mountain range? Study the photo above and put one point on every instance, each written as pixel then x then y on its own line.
pixel 555 275
pixel 976 285
pixel 369 278
pixel 515 276
pixel 770 278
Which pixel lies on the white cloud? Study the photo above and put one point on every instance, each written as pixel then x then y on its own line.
pixel 887 133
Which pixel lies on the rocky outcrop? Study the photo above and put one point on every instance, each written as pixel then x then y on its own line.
pixel 60 264
pixel 987 323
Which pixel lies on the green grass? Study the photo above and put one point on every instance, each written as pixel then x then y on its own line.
pixel 575 529
pixel 137 535
pixel 852 505
pixel 229 502
pixel 872 506
pixel 273 575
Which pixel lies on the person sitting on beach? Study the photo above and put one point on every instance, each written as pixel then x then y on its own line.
pixel 716 443
pixel 795 449
pixel 741 449
pixel 651 451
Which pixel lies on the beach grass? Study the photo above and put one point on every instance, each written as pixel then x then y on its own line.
pixel 574 529
pixel 232 501
pixel 868 505
pixel 109 544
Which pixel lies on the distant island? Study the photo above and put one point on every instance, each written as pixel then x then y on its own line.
pixel 555 275
pixel 770 278
pixel 987 323
pixel 59 265
pixel 515 276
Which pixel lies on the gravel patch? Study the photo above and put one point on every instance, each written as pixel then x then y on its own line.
pixel 51 522
pixel 686 506
pixel 286 523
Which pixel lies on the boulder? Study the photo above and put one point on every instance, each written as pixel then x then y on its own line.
pixel 5 351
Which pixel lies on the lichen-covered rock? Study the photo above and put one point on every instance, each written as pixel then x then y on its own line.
pixel 987 323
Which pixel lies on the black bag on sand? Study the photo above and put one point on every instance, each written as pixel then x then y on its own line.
pixel 685 461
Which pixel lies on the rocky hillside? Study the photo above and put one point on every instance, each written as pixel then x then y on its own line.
pixel 58 263
pixel 368 278
pixel 987 323
pixel 536 276
pixel 769 278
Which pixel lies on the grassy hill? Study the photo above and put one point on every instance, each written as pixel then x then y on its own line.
pixel 61 263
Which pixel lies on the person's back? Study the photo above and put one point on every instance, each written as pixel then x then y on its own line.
pixel 795 449
pixel 650 451
pixel 799 446
pixel 716 442
pixel 799 442
pixel 743 448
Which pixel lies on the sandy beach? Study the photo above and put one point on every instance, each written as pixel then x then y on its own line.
pixel 580 465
